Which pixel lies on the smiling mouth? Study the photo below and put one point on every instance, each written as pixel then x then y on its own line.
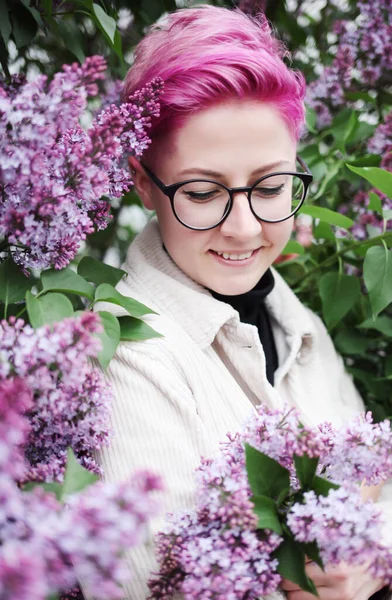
pixel 235 256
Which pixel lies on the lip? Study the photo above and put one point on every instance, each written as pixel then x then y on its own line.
pixel 235 263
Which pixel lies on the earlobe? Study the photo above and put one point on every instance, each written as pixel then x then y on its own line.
pixel 142 183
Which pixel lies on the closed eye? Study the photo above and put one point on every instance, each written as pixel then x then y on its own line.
pixel 269 192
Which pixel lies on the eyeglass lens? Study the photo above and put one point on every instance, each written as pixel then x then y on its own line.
pixel 203 204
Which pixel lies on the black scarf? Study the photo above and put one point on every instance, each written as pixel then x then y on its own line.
pixel 252 310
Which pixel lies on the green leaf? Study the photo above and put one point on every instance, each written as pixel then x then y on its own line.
pixel 24 25
pixel 322 486
pixel 267 512
pixel 136 329
pixel 107 293
pixel 13 283
pixel 388 366
pixel 349 341
pixel 47 309
pixel 382 324
pixel 291 566
pixel 329 179
pixel 98 272
pixel 54 487
pixel 311 119
pixel 110 338
pixel 5 24
pixel 338 294
pixel 379 178
pixel 76 477
pixel 72 37
pixel 328 216
pixel 311 551
pixel 377 275
pixel 47 5
pixel 68 281
pixel 375 203
pixel 305 468
pixel 106 23
pixel 293 247
pixel 266 476
pixel 323 231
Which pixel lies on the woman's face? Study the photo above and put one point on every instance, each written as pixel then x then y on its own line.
pixel 240 142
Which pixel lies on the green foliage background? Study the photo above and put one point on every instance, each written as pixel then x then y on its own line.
pixel 348 282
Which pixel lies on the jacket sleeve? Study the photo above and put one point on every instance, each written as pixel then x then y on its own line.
pixel 156 427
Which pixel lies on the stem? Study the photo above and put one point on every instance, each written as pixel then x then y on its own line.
pixel 336 255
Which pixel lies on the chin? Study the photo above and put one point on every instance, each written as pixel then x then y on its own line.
pixel 234 288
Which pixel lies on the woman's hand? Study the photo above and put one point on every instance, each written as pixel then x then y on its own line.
pixel 340 582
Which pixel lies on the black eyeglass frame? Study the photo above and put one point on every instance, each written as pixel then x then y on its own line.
pixel 170 190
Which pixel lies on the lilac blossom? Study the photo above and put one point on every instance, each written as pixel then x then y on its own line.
pixel 363 55
pixel 48 547
pixel 345 528
pixel 56 179
pixel 70 399
pixel 45 546
pixel 360 451
pixel 217 551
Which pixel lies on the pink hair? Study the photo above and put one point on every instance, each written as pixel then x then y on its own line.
pixel 206 55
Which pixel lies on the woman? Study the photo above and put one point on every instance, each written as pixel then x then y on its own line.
pixel 223 176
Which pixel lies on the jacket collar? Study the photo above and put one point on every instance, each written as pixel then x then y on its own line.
pixel 152 273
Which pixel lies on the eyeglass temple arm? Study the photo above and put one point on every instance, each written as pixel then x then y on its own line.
pixel 303 165
pixel 153 177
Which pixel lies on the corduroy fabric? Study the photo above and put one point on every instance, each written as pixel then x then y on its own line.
pixel 178 395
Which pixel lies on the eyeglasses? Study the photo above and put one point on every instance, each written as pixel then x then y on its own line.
pixel 203 204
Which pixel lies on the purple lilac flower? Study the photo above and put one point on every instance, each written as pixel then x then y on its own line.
pixel 364 53
pixel 345 528
pixel 15 399
pixel 360 451
pixel 56 178
pixel 47 547
pixel 70 399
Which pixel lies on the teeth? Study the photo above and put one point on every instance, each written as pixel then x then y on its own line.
pixel 229 256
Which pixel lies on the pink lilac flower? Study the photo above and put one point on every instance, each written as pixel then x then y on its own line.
pixel 70 399
pixel 56 179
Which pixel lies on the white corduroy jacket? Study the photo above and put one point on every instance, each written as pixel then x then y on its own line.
pixel 177 396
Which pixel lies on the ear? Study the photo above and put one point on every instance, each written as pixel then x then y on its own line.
pixel 142 182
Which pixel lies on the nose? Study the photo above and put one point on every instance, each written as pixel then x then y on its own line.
pixel 241 223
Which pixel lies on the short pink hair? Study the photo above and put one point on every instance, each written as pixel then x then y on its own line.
pixel 206 55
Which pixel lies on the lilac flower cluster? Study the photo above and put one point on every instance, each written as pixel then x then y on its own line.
pixel 46 548
pixel 345 528
pixel 364 54
pixel 217 551
pixel 55 177
pixel 70 400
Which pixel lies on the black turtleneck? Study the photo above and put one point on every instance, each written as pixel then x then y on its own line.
pixel 252 310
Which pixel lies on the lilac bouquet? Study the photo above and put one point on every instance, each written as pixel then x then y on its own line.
pixel 56 178
pixel 277 493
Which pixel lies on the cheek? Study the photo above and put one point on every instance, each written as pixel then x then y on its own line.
pixel 278 234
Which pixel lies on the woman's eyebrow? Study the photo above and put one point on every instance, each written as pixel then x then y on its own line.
pixel 259 171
